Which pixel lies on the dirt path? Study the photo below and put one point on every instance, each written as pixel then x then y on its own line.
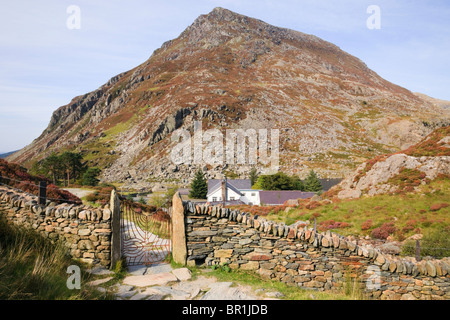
pixel 79 192
pixel 162 282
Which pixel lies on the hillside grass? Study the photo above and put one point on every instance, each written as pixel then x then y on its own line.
pixel 410 213
pixel 33 268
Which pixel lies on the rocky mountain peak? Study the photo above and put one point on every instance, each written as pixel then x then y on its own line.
pixel 223 24
pixel 223 14
pixel 220 15
pixel 219 24
pixel 232 71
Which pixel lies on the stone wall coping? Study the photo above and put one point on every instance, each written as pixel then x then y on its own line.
pixel 65 210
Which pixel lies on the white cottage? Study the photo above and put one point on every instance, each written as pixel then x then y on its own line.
pixel 238 191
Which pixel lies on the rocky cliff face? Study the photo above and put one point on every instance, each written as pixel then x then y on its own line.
pixel 231 71
pixel 403 171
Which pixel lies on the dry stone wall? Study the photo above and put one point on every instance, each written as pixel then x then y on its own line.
pixel 301 257
pixel 84 230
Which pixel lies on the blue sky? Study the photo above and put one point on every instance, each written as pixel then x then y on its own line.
pixel 44 64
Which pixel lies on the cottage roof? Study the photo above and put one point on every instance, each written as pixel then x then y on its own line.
pixel 281 196
pixel 229 185
pixel 237 183
pixel 328 183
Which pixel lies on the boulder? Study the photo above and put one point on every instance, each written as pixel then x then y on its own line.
pixel 182 274
pixel 291 203
pixel 349 194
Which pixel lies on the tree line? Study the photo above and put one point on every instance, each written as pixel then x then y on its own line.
pixel 277 181
pixel 282 181
pixel 66 168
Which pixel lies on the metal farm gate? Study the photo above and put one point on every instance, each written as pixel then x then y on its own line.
pixel 146 234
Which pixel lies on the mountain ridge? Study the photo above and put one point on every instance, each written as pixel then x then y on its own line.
pixel 233 71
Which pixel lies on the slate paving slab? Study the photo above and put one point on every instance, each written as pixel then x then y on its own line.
pixel 126 295
pixel 151 291
pixel 225 291
pixel 194 287
pixel 159 268
pixel 169 291
pixel 124 291
pixel 148 280
pixel 99 281
pixel 100 271
pixel 137 270
pixel 140 270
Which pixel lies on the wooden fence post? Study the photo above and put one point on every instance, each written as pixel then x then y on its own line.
pixel 42 192
pixel 1 178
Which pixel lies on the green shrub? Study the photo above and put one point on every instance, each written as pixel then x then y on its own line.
pixel 223 268
pixel 278 181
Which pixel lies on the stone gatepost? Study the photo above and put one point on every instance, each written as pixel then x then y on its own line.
pixel 116 237
pixel 179 249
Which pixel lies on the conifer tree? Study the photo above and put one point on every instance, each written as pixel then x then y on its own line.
pixel 312 182
pixel 253 176
pixel 90 177
pixel 199 187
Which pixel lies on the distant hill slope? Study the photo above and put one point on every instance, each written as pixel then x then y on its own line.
pixel 4 155
pixel 232 71
pixel 437 102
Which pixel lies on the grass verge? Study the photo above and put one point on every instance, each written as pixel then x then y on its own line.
pixel 349 290
pixel 34 268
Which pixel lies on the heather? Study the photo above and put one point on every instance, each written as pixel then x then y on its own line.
pixel 18 177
